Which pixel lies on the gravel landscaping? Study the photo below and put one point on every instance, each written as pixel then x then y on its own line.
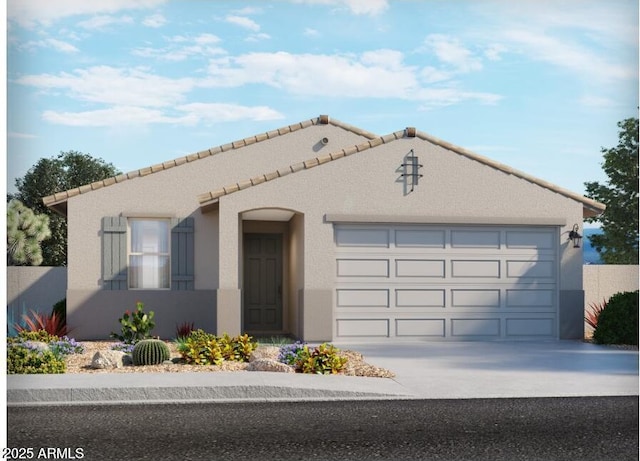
pixel 81 363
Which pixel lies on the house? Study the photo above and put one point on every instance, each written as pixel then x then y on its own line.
pixel 325 231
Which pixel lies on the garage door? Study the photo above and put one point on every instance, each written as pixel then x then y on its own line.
pixel 432 282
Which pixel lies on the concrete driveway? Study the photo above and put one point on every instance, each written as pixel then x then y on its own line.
pixel 506 369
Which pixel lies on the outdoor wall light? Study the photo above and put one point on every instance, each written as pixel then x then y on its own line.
pixel 575 236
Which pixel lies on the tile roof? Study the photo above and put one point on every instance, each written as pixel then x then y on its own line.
pixel 591 207
pixel 58 201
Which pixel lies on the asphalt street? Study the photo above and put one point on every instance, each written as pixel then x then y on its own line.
pixel 584 428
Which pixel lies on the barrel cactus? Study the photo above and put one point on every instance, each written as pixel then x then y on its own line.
pixel 150 352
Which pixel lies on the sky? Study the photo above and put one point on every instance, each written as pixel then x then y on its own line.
pixel 538 85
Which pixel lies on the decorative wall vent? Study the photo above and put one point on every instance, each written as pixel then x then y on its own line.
pixel 411 171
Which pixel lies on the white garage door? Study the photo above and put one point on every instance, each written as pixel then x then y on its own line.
pixel 460 282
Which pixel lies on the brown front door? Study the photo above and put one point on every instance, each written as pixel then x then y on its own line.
pixel 262 282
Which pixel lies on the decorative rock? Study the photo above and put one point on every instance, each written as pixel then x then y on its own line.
pixel 110 359
pixel 269 365
pixel 265 352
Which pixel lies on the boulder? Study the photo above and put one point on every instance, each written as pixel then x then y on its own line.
pixel 269 365
pixel 265 352
pixel 110 359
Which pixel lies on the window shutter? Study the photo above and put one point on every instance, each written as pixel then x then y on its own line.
pixel 114 253
pixel 182 252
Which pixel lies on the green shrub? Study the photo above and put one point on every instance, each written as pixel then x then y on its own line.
pixel 200 348
pixel 150 352
pixel 60 309
pixel 618 321
pixel 38 335
pixel 238 348
pixel 136 325
pixel 23 360
pixel 322 360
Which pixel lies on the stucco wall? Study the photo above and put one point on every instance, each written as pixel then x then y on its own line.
pixel 453 187
pixel 603 281
pixel 39 288
pixel 33 288
pixel 173 193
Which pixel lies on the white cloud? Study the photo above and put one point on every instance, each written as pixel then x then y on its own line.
pixel 16 135
pixel 247 10
pixel 136 96
pixel 432 98
pixel 604 22
pixel 375 74
pixel 109 85
pixel 53 43
pixel 206 39
pixel 257 37
pixel 61 46
pixel 571 56
pixel 593 40
pixel 219 112
pixel 430 74
pixel 243 22
pixel 357 7
pixel 370 7
pixel 494 52
pixel 104 21
pixel 314 74
pixel 30 13
pixel 597 102
pixel 187 114
pixel 450 51
pixel 181 48
pixel 114 116
pixel 154 21
pixel 311 32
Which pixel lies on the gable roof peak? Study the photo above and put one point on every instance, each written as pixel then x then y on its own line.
pixel 58 201
pixel 209 199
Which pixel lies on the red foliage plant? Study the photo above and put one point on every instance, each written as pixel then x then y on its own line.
pixel 593 313
pixel 184 329
pixel 51 323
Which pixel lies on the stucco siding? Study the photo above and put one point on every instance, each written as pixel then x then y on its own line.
pixel 603 281
pixel 173 192
pixel 95 313
pixel 370 183
pixel 33 288
pixel 364 179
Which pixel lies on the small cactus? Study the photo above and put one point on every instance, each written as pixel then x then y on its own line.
pixel 150 352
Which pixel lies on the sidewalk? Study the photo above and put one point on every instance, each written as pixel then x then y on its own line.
pixel 424 370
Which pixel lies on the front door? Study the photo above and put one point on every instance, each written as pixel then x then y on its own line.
pixel 262 282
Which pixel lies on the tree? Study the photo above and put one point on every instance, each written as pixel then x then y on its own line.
pixel 25 231
pixel 57 174
pixel 618 242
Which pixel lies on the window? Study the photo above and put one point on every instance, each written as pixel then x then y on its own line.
pixel 149 250
pixel 138 253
